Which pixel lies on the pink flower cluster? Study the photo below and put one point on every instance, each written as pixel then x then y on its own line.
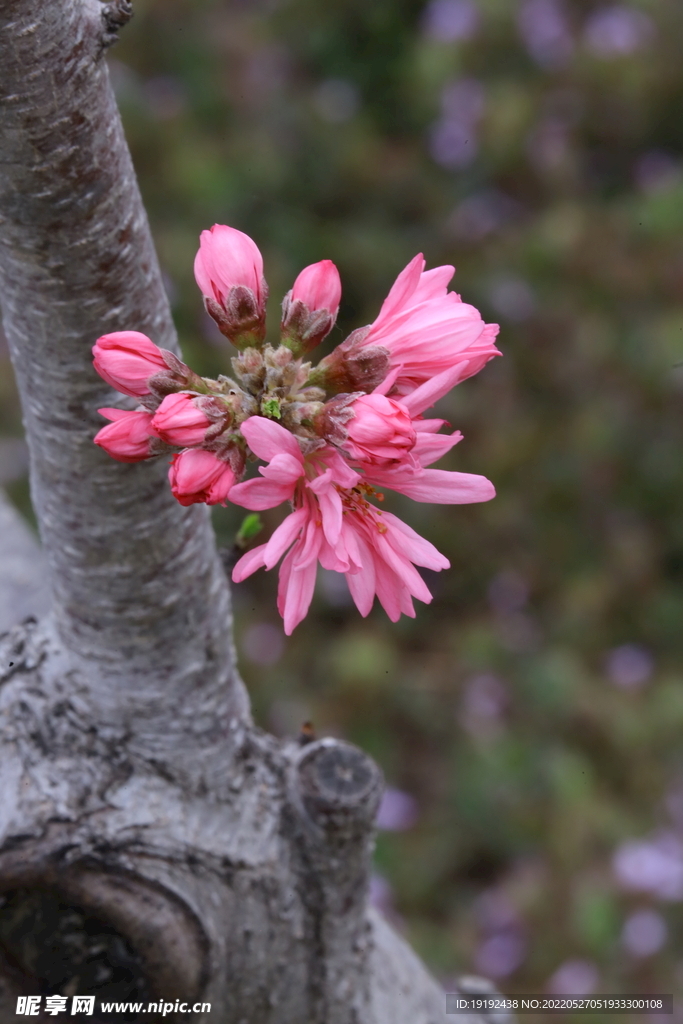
pixel 330 436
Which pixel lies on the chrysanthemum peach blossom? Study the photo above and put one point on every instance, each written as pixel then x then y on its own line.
pixel 330 435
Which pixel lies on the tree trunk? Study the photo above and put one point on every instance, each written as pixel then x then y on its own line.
pixel 153 843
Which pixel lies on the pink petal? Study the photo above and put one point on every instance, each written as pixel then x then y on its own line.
pixel 113 414
pixel 319 286
pixel 429 426
pixel 298 596
pixel 329 559
pixel 283 580
pixel 431 447
pixel 409 544
pixel 388 381
pixel 330 505
pixel 268 439
pixel 439 487
pixel 388 588
pixel 283 536
pixel 404 569
pixel 306 551
pixel 282 469
pixel 342 473
pixel 432 390
pixel 362 584
pixel 401 290
pixel 249 563
pixel 260 494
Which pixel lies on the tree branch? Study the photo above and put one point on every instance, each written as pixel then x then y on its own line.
pixel 138 590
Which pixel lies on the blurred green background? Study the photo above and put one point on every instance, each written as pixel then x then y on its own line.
pixel 530 720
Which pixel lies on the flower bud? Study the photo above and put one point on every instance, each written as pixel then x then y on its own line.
pixel 380 431
pixel 179 421
pixel 350 367
pixel 199 476
pixel 310 309
pixel 126 360
pixel 229 271
pixel 129 438
pixel 318 287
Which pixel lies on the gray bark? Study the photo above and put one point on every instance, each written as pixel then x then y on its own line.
pixel 133 786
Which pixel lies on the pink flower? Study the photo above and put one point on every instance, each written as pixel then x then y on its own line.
pixel 409 477
pixel 128 437
pixel 228 258
pixel 199 476
pixel 426 329
pixel 381 431
pixel 318 287
pixel 126 360
pixel 334 523
pixel 179 421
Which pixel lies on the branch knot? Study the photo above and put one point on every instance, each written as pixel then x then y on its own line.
pixel 115 15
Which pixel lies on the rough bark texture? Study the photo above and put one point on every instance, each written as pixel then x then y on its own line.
pixel 146 828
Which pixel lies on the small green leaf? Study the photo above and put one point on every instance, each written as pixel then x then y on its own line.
pixel 250 528
pixel 271 407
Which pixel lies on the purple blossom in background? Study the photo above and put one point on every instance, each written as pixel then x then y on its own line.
pixel 450 20
pixel 397 812
pixel 501 954
pixel 574 978
pixel 656 171
pixel 504 947
pixel 263 644
pixel 629 666
pixel 653 865
pixel 545 31
pixel 644 933
pixel 453 138
pixel 615 31
pixel 452 144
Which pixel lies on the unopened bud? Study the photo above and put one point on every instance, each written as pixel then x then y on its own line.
pixel 229 271
pixel 309 310
pixel 332 419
